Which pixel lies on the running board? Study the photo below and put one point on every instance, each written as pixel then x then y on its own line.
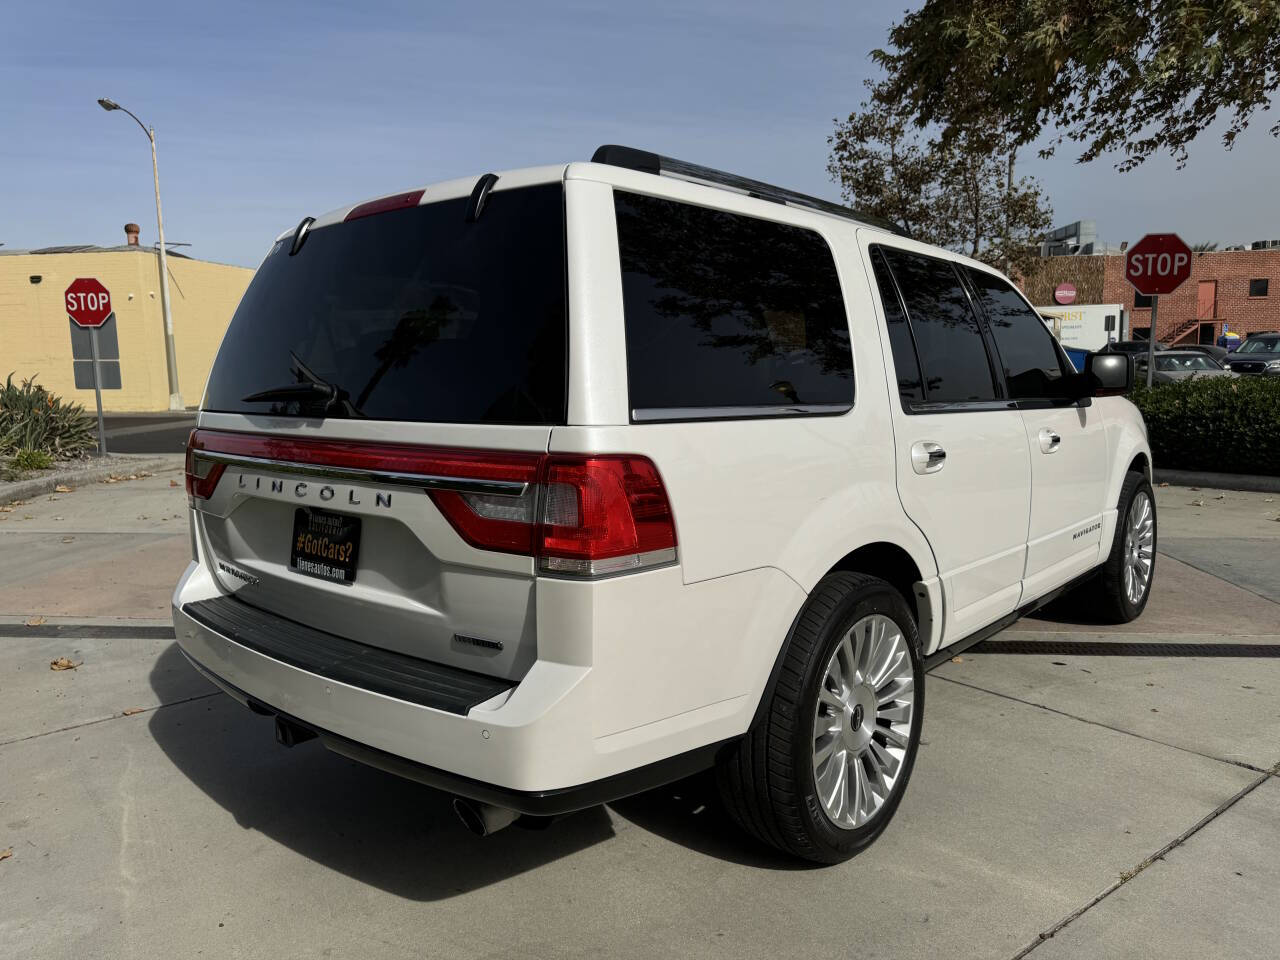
pixel 939 657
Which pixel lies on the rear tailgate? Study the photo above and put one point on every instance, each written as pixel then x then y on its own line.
pixel 349 538
pixel 379 368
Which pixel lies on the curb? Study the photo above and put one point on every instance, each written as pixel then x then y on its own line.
pixel 1219 481
pixel 116 465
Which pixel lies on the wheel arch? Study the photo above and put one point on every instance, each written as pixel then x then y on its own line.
pixel 894 563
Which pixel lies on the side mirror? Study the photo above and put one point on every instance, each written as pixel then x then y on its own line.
pixel 1108 374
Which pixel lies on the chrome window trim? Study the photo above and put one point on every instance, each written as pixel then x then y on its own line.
pixel 669 414
pixel 421 481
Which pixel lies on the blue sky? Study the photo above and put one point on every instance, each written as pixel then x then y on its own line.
pixel 269 111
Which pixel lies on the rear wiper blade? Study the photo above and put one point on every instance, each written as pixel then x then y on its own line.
pixel 294 391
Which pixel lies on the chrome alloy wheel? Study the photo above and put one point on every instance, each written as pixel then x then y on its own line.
pixel 1139 547
pixel 862 725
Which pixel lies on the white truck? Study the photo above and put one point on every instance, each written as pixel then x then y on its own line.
pixel 1088 326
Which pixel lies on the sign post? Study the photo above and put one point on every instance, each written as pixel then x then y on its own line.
pixel 1157 264
pixel 89 305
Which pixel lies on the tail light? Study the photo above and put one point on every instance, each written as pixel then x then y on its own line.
pixel 587 516
pixel 604 514
pixel 202 475
pixel 578 515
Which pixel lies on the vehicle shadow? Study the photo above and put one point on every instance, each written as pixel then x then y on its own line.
pixel 377 828
pixel 391 833
pixel 1068 609
pixel 689 813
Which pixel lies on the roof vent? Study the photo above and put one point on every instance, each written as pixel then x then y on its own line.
pixel 131 231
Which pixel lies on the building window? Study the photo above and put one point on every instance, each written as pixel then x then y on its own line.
pixel 1258 288
pixel 1141 299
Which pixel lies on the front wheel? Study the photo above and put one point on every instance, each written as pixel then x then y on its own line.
pixel 1123 585
pixel 822 772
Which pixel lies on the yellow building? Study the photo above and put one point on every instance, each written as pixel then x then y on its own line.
pixel 35 339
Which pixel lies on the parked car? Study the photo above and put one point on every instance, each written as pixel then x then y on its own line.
pixel 551 486
pixel 1219 354
pixel 1136 346
pixel 1175 365
pixel 1258 355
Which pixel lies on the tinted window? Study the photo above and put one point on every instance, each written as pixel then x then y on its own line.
pixel 1260 345
pixel 905 362
pixel 1185 362
pixel 1031 361
pixel 728 311
pixel 953 357
pixel 1141 299
pixel 414 314
pixel 1258 288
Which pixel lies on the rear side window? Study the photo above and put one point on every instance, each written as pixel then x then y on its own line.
pixel 728 315
pixel 414 314
pixel 1032 363
pixel 907 366
pixel 953 357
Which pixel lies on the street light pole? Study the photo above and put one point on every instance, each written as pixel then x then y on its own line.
pixel 170 354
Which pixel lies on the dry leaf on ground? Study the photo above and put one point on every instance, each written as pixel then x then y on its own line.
pixel 1196 503
pixel 68 539
pixel 35 621
pixel 62 488
pixel 64 663
pixel 6 853
pixel 173 483
pixel 130 711
pixel 957 659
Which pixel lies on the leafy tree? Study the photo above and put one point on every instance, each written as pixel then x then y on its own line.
pixel 958 194
pixel 1134 76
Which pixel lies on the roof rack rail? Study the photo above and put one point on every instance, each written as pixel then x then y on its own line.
pixel 646 162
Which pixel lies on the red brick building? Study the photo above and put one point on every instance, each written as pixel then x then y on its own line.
pixel 1239 288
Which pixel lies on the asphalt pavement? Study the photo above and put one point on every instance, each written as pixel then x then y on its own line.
pixel 1086 792
pixel 148 432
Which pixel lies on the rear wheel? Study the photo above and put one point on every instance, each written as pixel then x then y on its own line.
pixel 1123 585
pixel 823 770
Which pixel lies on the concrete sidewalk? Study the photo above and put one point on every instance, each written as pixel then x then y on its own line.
pixel 1124 805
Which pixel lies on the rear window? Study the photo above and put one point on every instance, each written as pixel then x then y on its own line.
pixel 414 315
pixel 728 316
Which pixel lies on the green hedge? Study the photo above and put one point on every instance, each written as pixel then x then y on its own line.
pixel 1225 424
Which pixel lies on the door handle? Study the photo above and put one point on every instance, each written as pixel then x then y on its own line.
pixel 1049 441
pixel 927 456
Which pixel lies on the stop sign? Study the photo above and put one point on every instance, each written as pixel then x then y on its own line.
pixel 1158 263
pixel 88 302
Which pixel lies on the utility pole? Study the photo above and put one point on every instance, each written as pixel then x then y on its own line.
pixel 170 354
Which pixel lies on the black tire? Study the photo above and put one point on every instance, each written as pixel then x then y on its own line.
pixel 767 782
pixel 1105 598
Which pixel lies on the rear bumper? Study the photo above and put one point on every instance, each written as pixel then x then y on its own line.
pixel 541 748
pixel 538 803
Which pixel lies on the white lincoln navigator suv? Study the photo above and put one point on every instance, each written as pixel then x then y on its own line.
pixel 551 486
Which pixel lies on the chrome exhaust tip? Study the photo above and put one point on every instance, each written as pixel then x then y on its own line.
pixel 482 819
